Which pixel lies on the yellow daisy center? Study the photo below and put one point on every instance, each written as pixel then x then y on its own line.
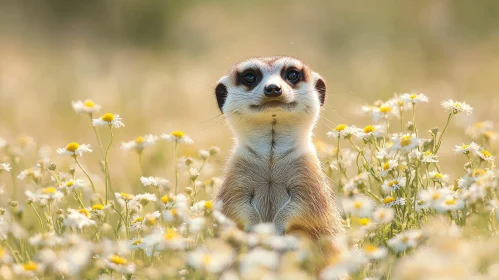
pixel 405 141
pixel 478 172
pixel 126 196
pixel 48 190
pixel 207 259
pixel 72 147
pixel 479 125
pixel 170 234
pixel 370 248
pixel 178 134
pixel 118 260
pixel 208 204
pixel 109 117
pixel 139 139
pixel 340 127
pixel 137 242
pixel 388 199
pixel 435 196
pixel 413 96
pixel 84 212
pixel 97 207
pixel 385 109
pixel 386 166
pixel 150 221
pixel 174 212
pixel 364 221
pixel 438 176
pixel 451 201
pixel 30 266
pixel 89 103
pixel 369 129
pixel 486 153
pixel 465 146
pixel 137 220
pixel 164 199
pixel 357 205
pixel 69 184
pixel 391 183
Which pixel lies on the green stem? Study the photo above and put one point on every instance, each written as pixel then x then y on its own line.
pixel 442 134
pixel 39 218
pixel 106 165
pixel 175 168
pixel 97 136
pixel 85 172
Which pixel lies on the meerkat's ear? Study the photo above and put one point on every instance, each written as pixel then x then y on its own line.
pixel 221 93
pixel 320 86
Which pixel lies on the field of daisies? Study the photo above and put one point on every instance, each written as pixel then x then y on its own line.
pixel 405 217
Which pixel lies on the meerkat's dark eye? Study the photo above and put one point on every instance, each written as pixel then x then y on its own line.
pixel 293 75
pixel 249 78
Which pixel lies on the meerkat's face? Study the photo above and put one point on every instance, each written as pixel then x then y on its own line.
pixel 269 88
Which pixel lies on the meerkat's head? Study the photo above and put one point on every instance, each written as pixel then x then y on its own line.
pixel 265 89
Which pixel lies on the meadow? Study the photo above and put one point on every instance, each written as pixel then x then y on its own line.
pixel 112 145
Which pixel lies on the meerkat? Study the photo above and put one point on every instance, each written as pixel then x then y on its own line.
pixel 273 174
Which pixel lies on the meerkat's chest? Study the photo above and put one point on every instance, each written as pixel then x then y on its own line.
pixel 271 183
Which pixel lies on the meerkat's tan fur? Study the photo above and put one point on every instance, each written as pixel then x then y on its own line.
pixel 273 174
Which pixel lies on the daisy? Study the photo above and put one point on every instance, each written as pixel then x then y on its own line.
pixel 457 107
pixel 342 131
pixel 139 143
pixel 429 157
pixel 154 182
pixel 485 155
pixel 387 166
pixel 405 240
pixel 464 149
pixel 390 201
pixel 384 215
pixel 359 206
pixel 374 252
pixel 108 119
pixel 74 149
pixel 78 219
pixel 5 166
pixel 72 184
pixel 449 203
pixel 384 112
pixel 87 106
pixel 479 129
pixel 124 197
pixel 394 184
pixel 259 258
pixel 439 177
pixel 211 261
pixel 414 98
pixel 178 137
pixel 200 207
pixel 119 264
pixel 432 197
pixel 29 269
pixel 369 131
pixel 405 143
pixel 144 198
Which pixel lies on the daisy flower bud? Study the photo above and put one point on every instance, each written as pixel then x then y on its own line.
pixel 52 166
pixel 87 106
pixel 214 151
pixel 457 107
pixel 177 136
pixel 110 120
pixel 204 154
pixel 74 149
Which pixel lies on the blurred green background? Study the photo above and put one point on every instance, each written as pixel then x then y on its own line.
pixel 156 62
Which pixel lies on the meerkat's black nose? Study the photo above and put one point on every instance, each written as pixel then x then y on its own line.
pixel 272 90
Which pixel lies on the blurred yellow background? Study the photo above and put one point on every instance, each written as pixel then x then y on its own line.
pixel 156 63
